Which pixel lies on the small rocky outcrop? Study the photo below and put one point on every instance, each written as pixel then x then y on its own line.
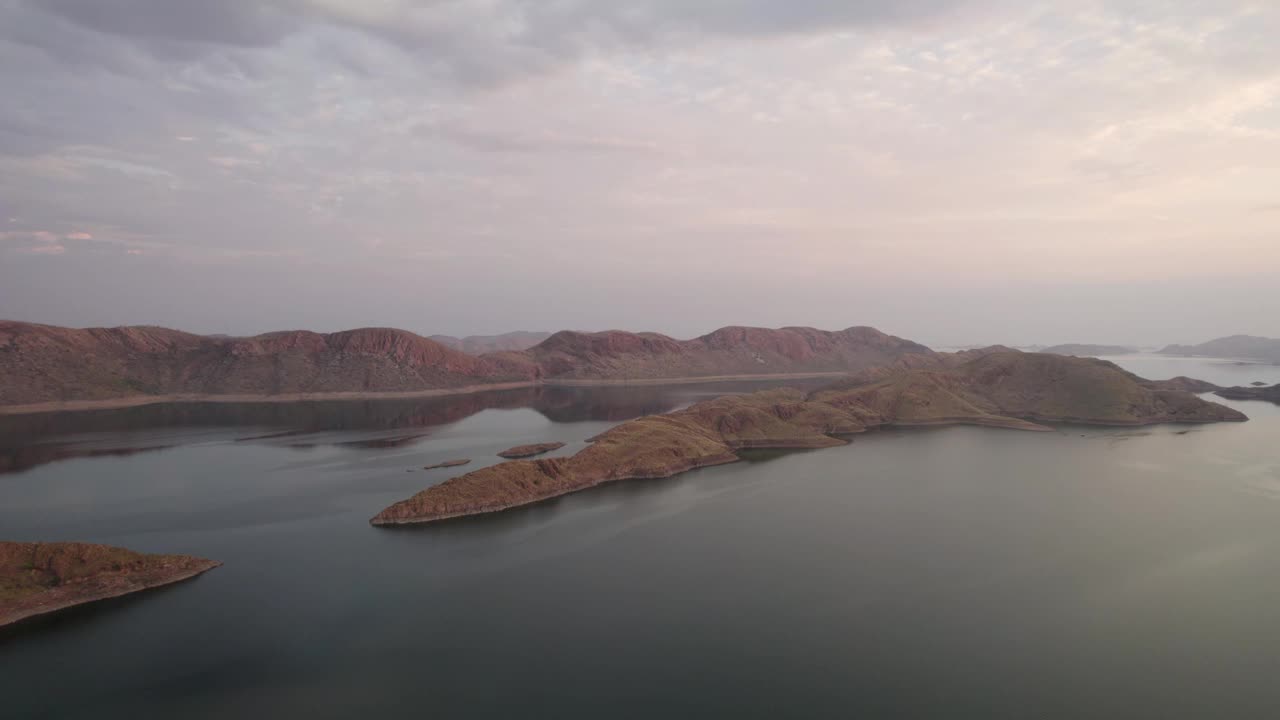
pixel 528 451
pixel 448 464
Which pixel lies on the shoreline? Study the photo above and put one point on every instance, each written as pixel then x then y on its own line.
pixel 379 522
pixel 53 603
pixel 141 400
pixel 382 520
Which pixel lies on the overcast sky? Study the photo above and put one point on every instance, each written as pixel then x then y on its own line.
pixel 952 171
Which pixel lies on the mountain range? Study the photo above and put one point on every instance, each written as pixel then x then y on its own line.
pixel 42 364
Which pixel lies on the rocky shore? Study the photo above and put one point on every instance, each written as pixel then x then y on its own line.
pixel 41 578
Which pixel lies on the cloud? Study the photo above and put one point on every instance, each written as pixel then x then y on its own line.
pixel 719 146
pixel 168 24
pixel 51 249
pixel 500 141
pixel 482 42
pixel 33 236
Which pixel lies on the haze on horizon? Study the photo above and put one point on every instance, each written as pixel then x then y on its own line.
pixel 951 171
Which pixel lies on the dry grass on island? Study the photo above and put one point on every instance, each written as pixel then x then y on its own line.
pixel 41 578
pixel 996 389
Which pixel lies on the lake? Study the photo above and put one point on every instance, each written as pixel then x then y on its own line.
pixel 955 572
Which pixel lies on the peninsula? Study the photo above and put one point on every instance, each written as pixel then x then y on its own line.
pixel 1000 388
pixel 41 578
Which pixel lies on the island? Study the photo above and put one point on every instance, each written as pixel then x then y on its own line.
pixel 1088 350
pixel 1186 384
pixel 41 578
pixel 1002 389
pixel 447 464
pixel 1247 347
pixel 1271 394
pixel 527 451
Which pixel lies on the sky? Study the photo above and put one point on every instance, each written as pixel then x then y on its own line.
pixel 952 171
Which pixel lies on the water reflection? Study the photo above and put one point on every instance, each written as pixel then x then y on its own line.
pixel 27 441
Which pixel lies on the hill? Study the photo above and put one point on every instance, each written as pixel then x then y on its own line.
pixel 617 355
pixel 1236 347
pixel 999 389
pixel 42 363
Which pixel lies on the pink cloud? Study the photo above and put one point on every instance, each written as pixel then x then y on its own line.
pixel 79 236
pixel 43 236
pixel 45 250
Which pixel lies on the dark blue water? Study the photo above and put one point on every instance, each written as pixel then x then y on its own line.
pixel 960 572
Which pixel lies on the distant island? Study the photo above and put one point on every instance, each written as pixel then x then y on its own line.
pixel 41 578
pixel 43 367
pixel 1001 388
pixel 1270 394
pixel 481 344
pixel 1234 347
pixel 1085 350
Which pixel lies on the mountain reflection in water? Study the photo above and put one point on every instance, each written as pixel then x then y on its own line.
pixel 30 440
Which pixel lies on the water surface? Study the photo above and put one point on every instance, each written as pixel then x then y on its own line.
pixel 957 572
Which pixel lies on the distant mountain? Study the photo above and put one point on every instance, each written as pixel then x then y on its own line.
pixel 1086 350
pixel 43 363
pixel 617 355
pixel 1242 347
pixel 481 344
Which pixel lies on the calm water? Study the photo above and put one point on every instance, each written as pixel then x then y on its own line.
pixel 959 572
